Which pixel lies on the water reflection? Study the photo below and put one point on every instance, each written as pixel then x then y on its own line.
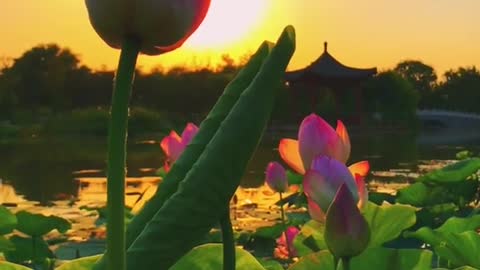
pixel 45 169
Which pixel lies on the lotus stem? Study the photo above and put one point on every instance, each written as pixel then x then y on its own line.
pixel 117 153
pixel 282 212
pixel 346 263
pixel 228 241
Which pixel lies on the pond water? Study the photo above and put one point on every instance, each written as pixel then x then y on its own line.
pixel 44 169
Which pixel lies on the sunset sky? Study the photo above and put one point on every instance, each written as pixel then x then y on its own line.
pixel 442 33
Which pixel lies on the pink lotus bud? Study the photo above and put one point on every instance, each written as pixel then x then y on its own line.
pixel 276 177
pixel 346 231
pixel 159 25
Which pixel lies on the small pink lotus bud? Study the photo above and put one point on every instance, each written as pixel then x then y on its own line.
pixel 276 177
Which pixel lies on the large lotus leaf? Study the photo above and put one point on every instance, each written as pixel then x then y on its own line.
pixel 392 259
pixel 210 256
pixel 387 221
pixel 428 194
pixel 459 248
pixel 208 187
pixel 5 244
pixel 310 238
pixel 271 232
pixel 35 249
pixel 206 131
pixel 85 263
pixel 12 266
pixel 322 260
pixel 38 224
pixel 456 240
pixel 270 264
pixel 456 172
pixel 452 225
pixel 459 268
pixel 8 221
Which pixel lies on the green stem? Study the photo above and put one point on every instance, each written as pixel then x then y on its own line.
pixel 117 153
pixel 228 242
pixel 346 263
pixel 282 212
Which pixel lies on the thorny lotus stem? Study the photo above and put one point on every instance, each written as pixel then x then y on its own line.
pixel 228 241
pixel 282 212
pixel 117 153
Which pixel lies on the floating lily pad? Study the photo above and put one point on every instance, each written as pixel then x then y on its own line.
pixel 456 172
pixel 38 224
pixel 12 266
pixel 5 244
pixel 85 263
pixel 8 221
pixel 210 256
pixel 28 248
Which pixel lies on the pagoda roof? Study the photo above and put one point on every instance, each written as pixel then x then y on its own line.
pixel 327 67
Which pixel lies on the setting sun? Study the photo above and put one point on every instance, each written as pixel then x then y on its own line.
pixel 228 22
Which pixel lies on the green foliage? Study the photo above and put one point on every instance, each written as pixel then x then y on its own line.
pixel 451 184
pixel 270 264
pixel 12 266
pixel 310 238
pixel 209 185
pixel 8 221
pixel 193 151
pixel 459 90
pixel 210 256
pixel 456 240
pixel 456 172
pixel 421 76
pixel 85 263
pixel 28 248
pixel 372 258
pixel 37 225
pixel 5 244
pixel 393 97
pixel 380 219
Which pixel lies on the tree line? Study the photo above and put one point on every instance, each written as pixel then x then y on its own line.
pixel 50 80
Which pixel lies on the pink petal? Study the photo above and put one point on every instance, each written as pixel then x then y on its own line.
pixel 317 137
pixel 344 148
pixel 323 180
pixel 288 149
pixel 287 238
pixel 361 168
pixel 362 191
pixel 172 146
pixel 276 177
pixel 188 133
pixel 315 211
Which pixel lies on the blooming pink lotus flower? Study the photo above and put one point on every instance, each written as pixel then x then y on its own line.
pixel 317 138
pixel 159 25
pixel 276 177
pixel 173 145
pixel 322 182
pixel 285 244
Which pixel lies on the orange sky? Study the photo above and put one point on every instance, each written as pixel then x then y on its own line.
pixel 442 33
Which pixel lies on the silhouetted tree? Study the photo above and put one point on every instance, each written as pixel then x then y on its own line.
pixel 38 78
pixel 460 91
pixel 392 97
pixel 421 76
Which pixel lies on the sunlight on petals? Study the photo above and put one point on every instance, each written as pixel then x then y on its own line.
pixel 288 149
pixel 345 139
pixel 361 168
pixel 362 191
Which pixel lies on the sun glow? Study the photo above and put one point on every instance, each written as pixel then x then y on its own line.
pixel 227 22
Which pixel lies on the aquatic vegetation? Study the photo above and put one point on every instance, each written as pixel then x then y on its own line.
pixel 173 145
